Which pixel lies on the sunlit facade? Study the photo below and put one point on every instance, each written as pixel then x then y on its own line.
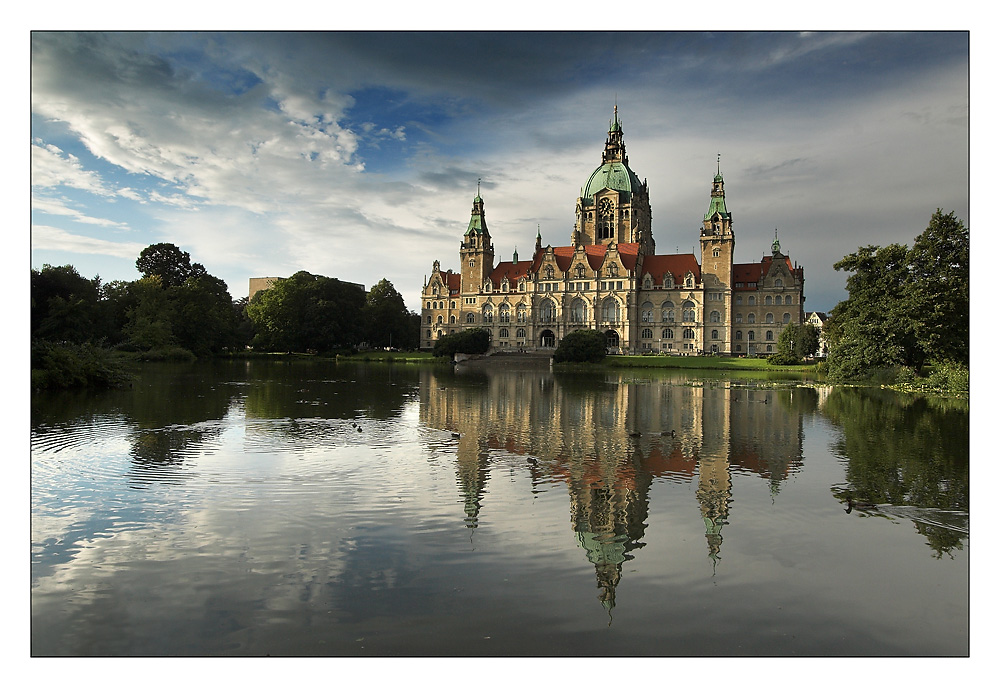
pixel 610 278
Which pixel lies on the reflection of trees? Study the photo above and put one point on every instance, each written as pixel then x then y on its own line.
pixel 327 389
pixel 904 450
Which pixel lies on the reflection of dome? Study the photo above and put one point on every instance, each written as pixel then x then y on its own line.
pixel 607 552
pixel 612 175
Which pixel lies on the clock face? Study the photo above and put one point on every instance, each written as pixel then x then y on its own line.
pixel 605 206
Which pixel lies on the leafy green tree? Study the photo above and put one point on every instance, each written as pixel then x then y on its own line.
pixel 204 321
pixel 172 265
pixel 387 321
pixel 473 341
pixel 308 312
pixel 581 346
pixel 64 305
pixel 149 320
pixel 795 343
pixel 939 290
pixel 904 307
pixel 874 327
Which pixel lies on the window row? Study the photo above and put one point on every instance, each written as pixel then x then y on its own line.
pixel 752 300
pixel 768 318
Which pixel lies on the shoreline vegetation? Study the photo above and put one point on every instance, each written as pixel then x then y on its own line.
pixel 65 365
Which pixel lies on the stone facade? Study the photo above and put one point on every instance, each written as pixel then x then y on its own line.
pixel 611 279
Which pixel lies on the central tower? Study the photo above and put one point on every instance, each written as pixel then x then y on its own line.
pixel 613 206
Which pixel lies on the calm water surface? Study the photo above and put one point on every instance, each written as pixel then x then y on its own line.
pixel 260 508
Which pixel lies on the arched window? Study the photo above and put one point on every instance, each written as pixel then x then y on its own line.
pixel 769 349
pixel 428 334
pixel 504 333
pixel 769 336
pixel 715 252
pixel 612 338
pixel 739 300
pixel 779 282
pixel 488 313
pixel 739 317
pixel 647 282
pixel 715 317
pixel 647 333
pixel 751 318
pixel 751 300
pixel 547 311
pixel 786 318
pixel 452 320
pixel 520 333
pixel 750 335
pixel 668 280
pixel 609 310
pixel 788 300
pixel 428 319
pixel 767 300
pixel 470 318
pixel 715 334
pixel 667 309
pixel 440 319
pixel 689 280
pixel 522 313
pixel 428 305
pixel 452 304
pixel 769 318
pixel 504 313
pixel 688 314
pixel 739 335
pixel 647 311
pixel 549 272
pixel 688 333
pixel 578 311
pixel 668 333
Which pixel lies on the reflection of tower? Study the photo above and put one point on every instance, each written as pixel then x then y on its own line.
pixel 473 472
pixel 714 494
pixel 609 505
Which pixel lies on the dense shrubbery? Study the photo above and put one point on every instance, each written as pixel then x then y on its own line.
pixel 65 364
pixel 474 341
pixel 581 346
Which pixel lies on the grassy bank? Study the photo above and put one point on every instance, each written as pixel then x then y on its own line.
pixel 703 363
pixel 396 357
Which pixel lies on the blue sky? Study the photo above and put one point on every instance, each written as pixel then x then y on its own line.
pixel 356 155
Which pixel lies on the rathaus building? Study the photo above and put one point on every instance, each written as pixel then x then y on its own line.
pixel 610 278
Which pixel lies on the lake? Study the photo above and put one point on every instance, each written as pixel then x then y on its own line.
pixel 322 508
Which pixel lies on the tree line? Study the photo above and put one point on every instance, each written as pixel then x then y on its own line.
pixel 177 310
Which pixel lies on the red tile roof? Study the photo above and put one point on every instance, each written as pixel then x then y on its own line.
pixel 678 264
pixel 513 271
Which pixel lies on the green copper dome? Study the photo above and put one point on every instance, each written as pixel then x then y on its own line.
pixel 612 175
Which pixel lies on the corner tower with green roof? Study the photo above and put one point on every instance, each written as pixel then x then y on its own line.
pixel 477 248
pixel 718 243
pixel 613 206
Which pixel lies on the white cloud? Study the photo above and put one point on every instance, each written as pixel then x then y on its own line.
pixel 58 206
pixel 46 238
pixel 52 167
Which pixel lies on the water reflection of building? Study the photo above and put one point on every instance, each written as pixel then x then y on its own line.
pixel 608 439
